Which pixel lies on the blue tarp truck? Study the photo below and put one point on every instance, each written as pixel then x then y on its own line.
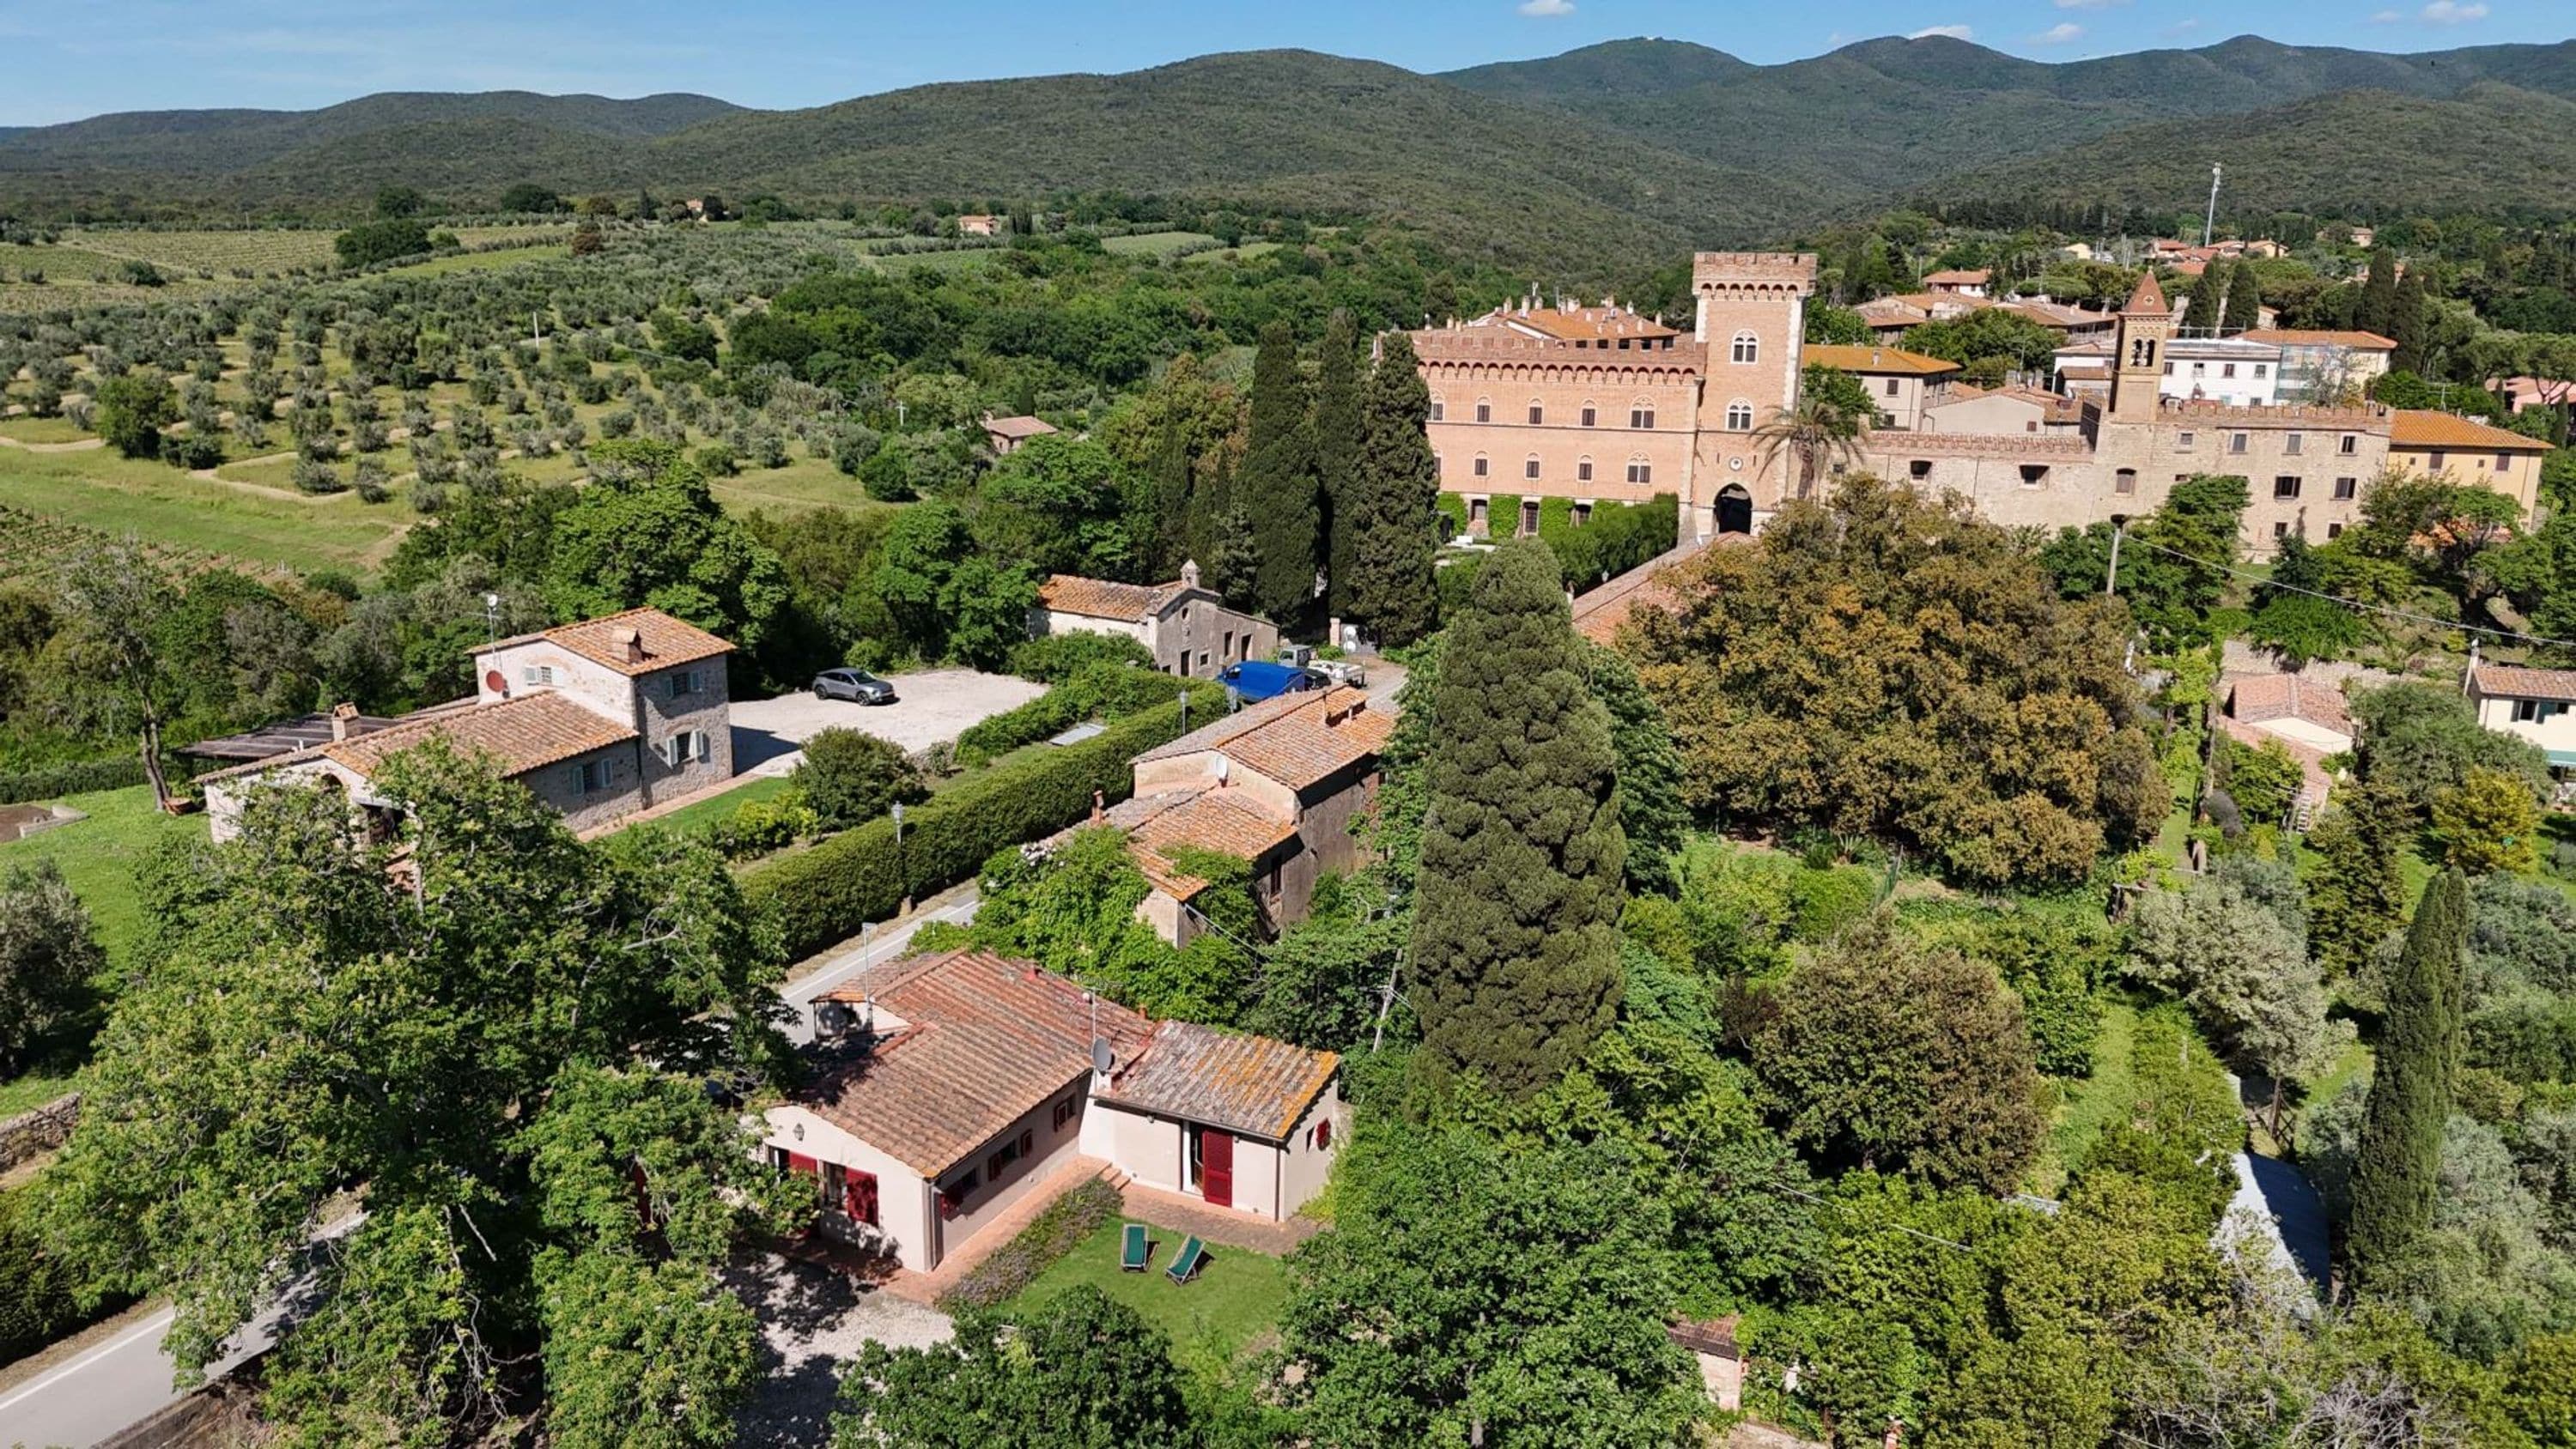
pixel 1256 679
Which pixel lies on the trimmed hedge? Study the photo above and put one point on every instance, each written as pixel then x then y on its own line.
pixel 79 779
pixel 1618 536
pixel 1048 1237
pixel 825 894
pixel 1106 690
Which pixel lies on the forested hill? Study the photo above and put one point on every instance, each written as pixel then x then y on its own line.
pixel 1640 146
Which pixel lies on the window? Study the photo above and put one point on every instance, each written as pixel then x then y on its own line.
pixel 1590 415
pixel 1529 525
pixel 1640 471
pixel 1582 470
pixel 2033 474
pixel 1747 348
pixel 2183 441
pixel 1476 510
pixel 1529 467
pixel 859 1197
pixel 2285 487
pixel 1642 415
pixel 2125 481
pixel 1537 414
pixel 1891 387
pixel 2280 530
pixel 2435 461
pixel 2534 711
pixel 685 747
pixel 2294 444
pixel 2200 369
pixel 1484 411
pixel 1439 409
pixel 537 674
pixel 590 777
pixel 2503 461
pixel 1919 469
pixel 2262 370
pixel 1739 416
pixel 1065 1111
pixel 2168 367
pixel 2334 531
pixel 2237 442
pixel 2227 369
pixel 2345 488
pixel 1322 1135
pixel 1482 468
pixel 685 682
pixel 2348 444
pixel 1582 514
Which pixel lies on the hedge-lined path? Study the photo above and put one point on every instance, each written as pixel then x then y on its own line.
pixel 994 1235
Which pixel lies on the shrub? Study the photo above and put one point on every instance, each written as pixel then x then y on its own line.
pixel 757 827
pixel 1056 658
pixel 850 778
pixel 1828 899
pixel 1108 691
pixel 40 1294
pixel 827 893
pixel 80 779
pixel 1049 1236
pixel 191 450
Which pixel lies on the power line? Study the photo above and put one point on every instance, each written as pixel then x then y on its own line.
pixel 2357 603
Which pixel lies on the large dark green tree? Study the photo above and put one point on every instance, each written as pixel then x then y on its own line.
pixel 648 531
pixel 1515 933
pixel 2206 308
pixel 1077 1371
pixel 2399 1166
pixel 1339 422
pixel 2244 299
pixel 1391 502
pixel 2357 893
pixel 2376 311
pixel 504 1042
pixel 1277 485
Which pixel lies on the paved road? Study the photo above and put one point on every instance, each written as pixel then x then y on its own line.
pixel 882 945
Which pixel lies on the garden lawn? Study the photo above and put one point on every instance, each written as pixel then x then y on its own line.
pixel 1212 1320
pixel 29 1092
pixel 701 817
pixel 99 856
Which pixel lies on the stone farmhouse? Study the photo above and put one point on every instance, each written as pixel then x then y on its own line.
pixel 1598 403
pixel 600 719
pixel 1183 624
pixel 952 1086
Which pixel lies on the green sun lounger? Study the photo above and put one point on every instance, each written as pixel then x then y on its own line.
pixel 1136 1250
pixel 1193 1256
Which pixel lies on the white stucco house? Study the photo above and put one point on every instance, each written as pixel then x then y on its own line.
pixel 2537 704
pixel 954 1084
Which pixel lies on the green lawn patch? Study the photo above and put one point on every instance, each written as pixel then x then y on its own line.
pixel 41 430
pixel 98 857
pixel 479 261
pixel 30 1092
pixel 1155 243
pixel 162 505
pixel 701 817
pixel 1235 1300
pixel 2088 1105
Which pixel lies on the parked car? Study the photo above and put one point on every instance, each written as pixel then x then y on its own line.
pixel 855 685
pixel 1256 679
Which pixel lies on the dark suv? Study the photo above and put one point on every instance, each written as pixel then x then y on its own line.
pixel 856 685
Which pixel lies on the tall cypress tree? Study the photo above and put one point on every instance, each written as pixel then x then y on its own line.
pixel 1516 915
pixel 1172 486
pixel 2244 299
pixel 2207 311
pixel 2377 310
pixel 2399 1165
pixel 1391 504
pixel 2357 892
pixel 2406 324
pixel 1276 487
pixel 1337 449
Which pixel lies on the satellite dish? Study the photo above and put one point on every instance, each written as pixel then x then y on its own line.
pixel 495 681
pixel 1102 1059
pixel 1217 767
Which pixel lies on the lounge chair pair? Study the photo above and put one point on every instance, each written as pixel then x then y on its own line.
pixel 1137 1250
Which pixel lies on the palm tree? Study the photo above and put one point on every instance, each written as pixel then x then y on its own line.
pixel 1816 428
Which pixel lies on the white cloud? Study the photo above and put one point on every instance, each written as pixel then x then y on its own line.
pixel 1954 32
pixel 1547 7
pixel 2451 12
pixel 2058 34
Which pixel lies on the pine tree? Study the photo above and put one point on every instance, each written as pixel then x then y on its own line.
pixel 2406 325
pixel 2244 299
pixel 2377 310
pixel 2207 309
pixel 2399 1165
pixel 1276 488
pixel 1337 449
pixel 2357 894
pixel 1390 504
pixel 1516 919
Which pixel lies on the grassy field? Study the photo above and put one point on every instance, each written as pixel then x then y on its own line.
pixel 479 261
pixel 41 430
pixel 160 504
pixel 1235 1301
pixel 1243 253
pixel 30 1091
pixel 1155 243
pixel 98 857
pixel 803 483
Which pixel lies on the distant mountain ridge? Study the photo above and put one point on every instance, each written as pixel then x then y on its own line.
pixel 1629 147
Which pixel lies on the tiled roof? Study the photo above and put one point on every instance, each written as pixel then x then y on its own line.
pixel 522 734
pixel 1225 821
pixel 2059 315
pixel 985 1040
pixel 1295 739
pixel 1958 278
pixel 1854 358
pixel 2148 297
pixel 1599 613
pixel 1247 1084
pixel 2425 428
pixel 2507 682
pixel 2255 698
pixel 1573 324
pixel 1018 427
pixel 665 641
pixel 2320 337
pixel 1103 599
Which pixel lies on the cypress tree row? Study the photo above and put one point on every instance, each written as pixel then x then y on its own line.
pixel 1276 488
pixel 1337 449
pixel 2399 1164
pixel 2207 309
pixel 1390 505
pixel 1516 916
pixel 2244 299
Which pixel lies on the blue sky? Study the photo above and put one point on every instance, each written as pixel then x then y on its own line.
pixel 64 59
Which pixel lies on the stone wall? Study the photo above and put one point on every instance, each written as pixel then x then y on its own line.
pixel 38 1130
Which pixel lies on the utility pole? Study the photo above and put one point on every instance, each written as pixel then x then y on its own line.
pixel 2119 530
pixel 1386 1002
pixel 2209 223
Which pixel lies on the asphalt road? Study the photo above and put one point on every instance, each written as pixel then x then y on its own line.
pixel 882 945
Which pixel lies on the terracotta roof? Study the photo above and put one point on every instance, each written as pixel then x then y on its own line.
pixel 1958 278
pixel 1247 1084
pixel 1018 427
pixel 664 641
pixel 2424 428
pixel 1104 599
pixel 1295 739
pixel 2255 698
pixel 2148 297
pixel 523 734
pixel 1598 614
pixel 2325 337
pixel 1225 821
pixel 984 1041
pixel 1854 358
pixel 1572 324
pixel 2058 315
pixel 2506 681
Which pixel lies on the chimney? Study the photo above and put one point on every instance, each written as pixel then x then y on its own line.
pixel 627 644
pixel 1099 802
pixel 341 714
pixel 1190 574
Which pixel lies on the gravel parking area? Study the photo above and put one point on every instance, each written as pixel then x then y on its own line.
pixel 812 1321
pixel 930 706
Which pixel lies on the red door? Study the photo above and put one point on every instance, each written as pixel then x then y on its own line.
pixel 1216 1167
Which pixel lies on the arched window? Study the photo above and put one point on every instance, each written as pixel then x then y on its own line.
pixel 1739 416
pixel 1481 466
pixel 1529 467
pixel 1583 470
pixel 1640 471
pixel 1747 348
pixel 1641 413
pixel 1591 413
pixel 1439 408
pixel 1537 413
pixel 1484 410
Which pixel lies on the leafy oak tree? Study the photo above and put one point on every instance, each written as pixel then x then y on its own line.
pixel 132 410
pixel 1390 502
pixel 1515 931
pixel 48 956
pixel 1077 1371
pixel 648 532
pixel 2398 1167
pixel 504 1043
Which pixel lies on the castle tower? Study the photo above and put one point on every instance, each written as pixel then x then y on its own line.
pixel 2138 360
pixel 1751 323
